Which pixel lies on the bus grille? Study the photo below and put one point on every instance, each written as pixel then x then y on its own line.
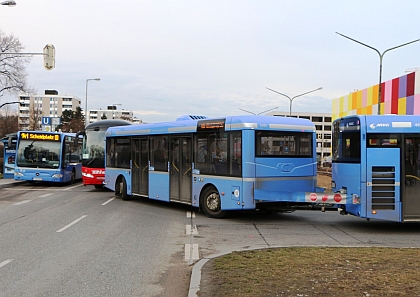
pixel 383 188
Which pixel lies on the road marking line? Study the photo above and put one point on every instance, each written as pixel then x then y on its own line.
pixel 66 189
pixel 4 263
pixel 190 214
pixel 71 224
pixel 191 252
pixel 105 203
pixel 45 195
pixel 191 230
pixel 22 202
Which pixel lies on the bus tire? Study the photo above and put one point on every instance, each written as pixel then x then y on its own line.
pixel 211 203
pixel 73 176
pixel 123 189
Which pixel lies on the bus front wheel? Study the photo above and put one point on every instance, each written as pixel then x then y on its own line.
pixel 73 176
pixel 121 189
pixel 212 204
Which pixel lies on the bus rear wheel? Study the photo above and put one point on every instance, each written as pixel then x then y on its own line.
pixel 212 204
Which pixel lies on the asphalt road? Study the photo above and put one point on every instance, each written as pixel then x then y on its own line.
pixel 77 241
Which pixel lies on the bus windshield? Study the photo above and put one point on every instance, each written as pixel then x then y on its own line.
pixel 346 140
pixel 93 150
pixel 38 154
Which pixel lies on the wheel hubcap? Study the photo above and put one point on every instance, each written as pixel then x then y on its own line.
pixel 213 202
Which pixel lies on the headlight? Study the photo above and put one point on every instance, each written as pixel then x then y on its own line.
pixel 18 174
pixel 58 175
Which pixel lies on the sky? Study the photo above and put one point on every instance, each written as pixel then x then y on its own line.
pixel 163 59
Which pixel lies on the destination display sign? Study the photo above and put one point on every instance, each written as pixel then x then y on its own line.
pixel 40 136
pixel 204 125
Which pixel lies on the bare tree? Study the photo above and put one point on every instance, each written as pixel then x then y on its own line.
pixel 12 65
pixel 35 116
pixel 8 121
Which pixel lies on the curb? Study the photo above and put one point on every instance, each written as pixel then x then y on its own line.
pixel 195 280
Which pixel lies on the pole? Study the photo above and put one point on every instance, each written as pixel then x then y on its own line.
pixel 291 99
pixel 86 99
pixel 381 55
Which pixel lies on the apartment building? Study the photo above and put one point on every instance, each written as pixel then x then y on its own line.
pixel 323 126
pixel 47 107
pixel 111 112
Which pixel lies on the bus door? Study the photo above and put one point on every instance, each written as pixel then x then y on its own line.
pixel 383 183
pixel 140 166
pixel 180 169
pixel 411 179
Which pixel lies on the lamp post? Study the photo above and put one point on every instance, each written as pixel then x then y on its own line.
pixel 86 101
pixel 291 98
pixel 259 112
pixel 381 55
pixel 9 3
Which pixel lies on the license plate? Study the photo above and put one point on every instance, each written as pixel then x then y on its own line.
pixel 37 178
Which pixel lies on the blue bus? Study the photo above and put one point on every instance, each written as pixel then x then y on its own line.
pixel 217 165
pixel 47 157
pixel 376 164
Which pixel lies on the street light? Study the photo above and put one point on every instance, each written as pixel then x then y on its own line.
pixel 86 101
pixel 9 3
pixel 259 112
pixel 380 62
pixel 291 99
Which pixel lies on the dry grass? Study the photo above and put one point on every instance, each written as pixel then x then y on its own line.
pixel 324 181
pixel 312 271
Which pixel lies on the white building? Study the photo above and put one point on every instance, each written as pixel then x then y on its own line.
pixel 110 113
pixel 49 106
pixel 323 126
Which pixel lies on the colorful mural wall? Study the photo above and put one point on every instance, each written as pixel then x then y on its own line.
pixel 400 95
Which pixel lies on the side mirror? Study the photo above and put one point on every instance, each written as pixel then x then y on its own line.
pixel 76 138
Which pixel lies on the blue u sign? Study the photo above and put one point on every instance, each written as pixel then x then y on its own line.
pixel 46 121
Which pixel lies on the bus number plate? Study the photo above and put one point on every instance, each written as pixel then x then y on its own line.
pixel 37 178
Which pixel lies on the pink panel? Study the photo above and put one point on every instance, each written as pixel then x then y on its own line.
pixel 364 97
pixel 387 109
pixel 417 104
pixel 388 90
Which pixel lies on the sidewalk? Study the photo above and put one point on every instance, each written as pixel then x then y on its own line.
pixel 9 182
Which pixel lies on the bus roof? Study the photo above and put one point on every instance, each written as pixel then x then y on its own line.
pixel 103 124
pixel 246 122
pixel 389 123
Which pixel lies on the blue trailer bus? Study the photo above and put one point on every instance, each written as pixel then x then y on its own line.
pixel 217 165
pixel 376 163
pixel 47 157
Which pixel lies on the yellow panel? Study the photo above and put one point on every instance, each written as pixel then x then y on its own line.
pixel 354 100
pixel 359 99
pixel 375 94
pixel 341 104
pixel 369 109
pixel 402 105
